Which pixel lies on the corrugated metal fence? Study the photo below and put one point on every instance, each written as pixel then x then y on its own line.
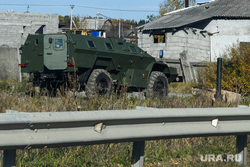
pixel 59 129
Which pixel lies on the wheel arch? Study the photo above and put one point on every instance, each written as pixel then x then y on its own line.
pixel 105 63
pixel 159 66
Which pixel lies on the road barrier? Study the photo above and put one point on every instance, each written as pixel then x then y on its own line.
pixel 19 130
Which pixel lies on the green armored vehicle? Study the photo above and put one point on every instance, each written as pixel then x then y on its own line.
pixel 97 65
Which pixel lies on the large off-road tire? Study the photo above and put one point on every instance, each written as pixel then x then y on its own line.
pixel 99 83
pixel 157 85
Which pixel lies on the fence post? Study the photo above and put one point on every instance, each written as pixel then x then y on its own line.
pixel 218 95
pixel 9 158
pixel 138 154
pixel 241 149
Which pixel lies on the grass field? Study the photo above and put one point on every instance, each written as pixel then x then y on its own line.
pixel 168 152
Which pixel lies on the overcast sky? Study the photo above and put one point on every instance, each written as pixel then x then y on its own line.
pixel 125 9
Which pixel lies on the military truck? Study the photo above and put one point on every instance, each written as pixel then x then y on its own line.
pixel 98 65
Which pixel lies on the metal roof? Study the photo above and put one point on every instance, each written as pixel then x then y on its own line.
pixel 94 24
pixel 214 9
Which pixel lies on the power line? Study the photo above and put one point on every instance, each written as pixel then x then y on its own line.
pixel 34 5
pixel 81 6
pixel 124 10
pixel 105 16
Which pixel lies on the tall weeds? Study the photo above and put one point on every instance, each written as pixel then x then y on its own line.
pixel 168 152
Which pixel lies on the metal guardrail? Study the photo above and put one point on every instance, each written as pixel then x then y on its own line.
pixel 58 129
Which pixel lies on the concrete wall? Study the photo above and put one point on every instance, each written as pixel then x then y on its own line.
pixel 221 34
pixel 210 40
pixel 226 33
pixel 9 60
pixel 14 29
pixel 196 44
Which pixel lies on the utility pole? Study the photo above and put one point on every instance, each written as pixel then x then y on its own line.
pixel 71 16
pixel 28 8
pixel 97 21
pixel 119 28
pixel 98 15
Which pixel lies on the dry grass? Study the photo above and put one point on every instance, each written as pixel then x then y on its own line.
pixel 168 152
pixel 181 87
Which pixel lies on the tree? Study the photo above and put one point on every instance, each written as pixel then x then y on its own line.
pixel 152 17
pixel 61 19
pixel 141 22
pixel 78 21
pixel 235 71
pixel 171 5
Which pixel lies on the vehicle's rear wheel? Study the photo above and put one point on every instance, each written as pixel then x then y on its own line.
pixel 99 83
pixel 157 85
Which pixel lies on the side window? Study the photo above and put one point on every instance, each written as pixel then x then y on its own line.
pixel 132 48
pixel 91 44
pixel 36 42
pixel 58 43
pixel 159 38
pixel 109 46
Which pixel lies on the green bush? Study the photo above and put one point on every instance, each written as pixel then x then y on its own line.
pixel 15 86
pixel 235 71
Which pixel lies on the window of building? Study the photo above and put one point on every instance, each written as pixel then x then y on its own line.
pixel 91 44
pixel 109 46
pixel 159 38
pixel 58 43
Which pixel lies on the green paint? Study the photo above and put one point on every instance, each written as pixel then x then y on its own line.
pixel 48 55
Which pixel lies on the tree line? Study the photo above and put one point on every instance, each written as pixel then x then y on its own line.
pixel 164 7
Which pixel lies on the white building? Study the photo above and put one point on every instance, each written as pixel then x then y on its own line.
pixel 196 34
pixel 204 31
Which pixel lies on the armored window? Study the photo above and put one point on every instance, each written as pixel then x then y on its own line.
pixel 159 38
pixel 109 46
pixel 36 42
pixel 58 43
pixel 133 49
pixel 91 44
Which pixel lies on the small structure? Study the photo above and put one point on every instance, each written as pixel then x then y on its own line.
pixel 197 34
pixel 130 35
pixel 97 27
pixel 104 28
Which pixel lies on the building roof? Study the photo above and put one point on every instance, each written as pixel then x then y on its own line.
pixel 214 9
pixel 94 24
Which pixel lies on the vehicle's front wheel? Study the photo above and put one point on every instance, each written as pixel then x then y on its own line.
pixel 99 83
pixel 157 85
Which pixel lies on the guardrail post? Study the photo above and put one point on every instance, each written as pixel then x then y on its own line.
pixel 9 158
pixel 138 154
pixel 241 149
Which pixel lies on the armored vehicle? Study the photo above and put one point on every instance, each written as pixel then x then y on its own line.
pixel 97 65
